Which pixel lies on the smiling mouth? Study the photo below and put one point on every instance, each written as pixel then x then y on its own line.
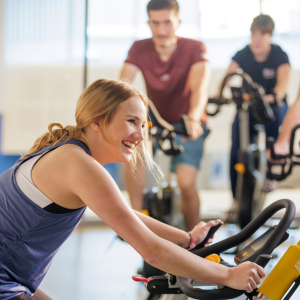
pixel 129 146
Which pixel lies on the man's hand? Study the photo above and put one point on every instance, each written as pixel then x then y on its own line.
pixel 196 131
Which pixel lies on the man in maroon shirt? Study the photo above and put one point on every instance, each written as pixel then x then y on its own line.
pixel 176 72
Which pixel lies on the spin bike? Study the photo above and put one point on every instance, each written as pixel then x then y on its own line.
pixel 163 203
pixel 252 161
pixel 259 251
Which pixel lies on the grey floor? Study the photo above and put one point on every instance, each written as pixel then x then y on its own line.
pixel 94 264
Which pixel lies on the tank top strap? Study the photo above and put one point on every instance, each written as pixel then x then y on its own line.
pixel 80 144
pixel 52 147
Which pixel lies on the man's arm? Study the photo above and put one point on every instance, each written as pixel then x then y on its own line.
pixel 199 77
pixel 128 72
pixel 291 119
pixel 282 77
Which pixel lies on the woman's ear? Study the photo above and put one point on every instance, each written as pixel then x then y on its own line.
pixel 96 126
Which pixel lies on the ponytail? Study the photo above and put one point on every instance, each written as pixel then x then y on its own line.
pixel 52 137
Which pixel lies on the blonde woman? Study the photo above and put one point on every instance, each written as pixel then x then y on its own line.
pixel 44 195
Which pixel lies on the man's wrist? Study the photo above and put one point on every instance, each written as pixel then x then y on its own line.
pixel 191 119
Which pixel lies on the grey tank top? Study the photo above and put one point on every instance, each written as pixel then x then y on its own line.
pixel 30 236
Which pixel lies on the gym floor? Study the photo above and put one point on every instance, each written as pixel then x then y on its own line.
pixel 94 264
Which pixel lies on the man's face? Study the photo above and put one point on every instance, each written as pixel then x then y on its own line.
pixel 163 24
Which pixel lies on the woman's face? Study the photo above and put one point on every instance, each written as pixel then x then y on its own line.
pixel 125 131
pixel 260 41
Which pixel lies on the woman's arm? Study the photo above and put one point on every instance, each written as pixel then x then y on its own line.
pixel 291 119
pixel 40 295
pixel 282 78
pixel 175 235
pixel 91 182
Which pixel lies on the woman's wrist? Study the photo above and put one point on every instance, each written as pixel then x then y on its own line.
pixel 192 243
pixel 184 241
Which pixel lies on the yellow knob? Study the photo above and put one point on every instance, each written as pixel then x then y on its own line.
pixel 145 212
pixel 240 168
pixel 214 258
pixel 246 96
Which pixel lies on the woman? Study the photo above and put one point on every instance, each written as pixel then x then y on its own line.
pixel 43 196
pixel 268 65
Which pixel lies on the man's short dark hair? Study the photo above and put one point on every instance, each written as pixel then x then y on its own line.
pixel 264 23
pixel 163 4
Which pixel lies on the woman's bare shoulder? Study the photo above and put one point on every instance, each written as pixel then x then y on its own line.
pixel 69 161
pixel 77 163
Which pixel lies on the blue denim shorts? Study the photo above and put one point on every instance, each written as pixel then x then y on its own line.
pixel 193 150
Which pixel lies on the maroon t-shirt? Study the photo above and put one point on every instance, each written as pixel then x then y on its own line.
pixel 167 83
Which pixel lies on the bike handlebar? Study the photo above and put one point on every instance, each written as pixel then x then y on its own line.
pixel 250 92
pixel 162 130
pixel 218 102
pixel 268 247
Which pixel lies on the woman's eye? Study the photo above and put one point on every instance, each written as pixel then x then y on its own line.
pixel 131 121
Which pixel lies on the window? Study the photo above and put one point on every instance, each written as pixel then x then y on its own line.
pixel 52 31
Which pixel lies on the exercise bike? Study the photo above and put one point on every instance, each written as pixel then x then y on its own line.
pixel 252 162
pixel 162 203
pixel 259 251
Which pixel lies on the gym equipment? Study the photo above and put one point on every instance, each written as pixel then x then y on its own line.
pixel 259 251
pixel 163 203
pixel 284 162
pixel 252 162
pixel 282 277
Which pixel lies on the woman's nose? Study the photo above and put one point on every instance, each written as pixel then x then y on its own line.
pixel 139 135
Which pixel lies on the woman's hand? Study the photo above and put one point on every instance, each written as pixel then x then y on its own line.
pixel 270 98
pixel 200 231
pixel 281 148
pixel 246 276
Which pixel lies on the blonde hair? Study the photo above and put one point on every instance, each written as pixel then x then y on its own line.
pixel 99 102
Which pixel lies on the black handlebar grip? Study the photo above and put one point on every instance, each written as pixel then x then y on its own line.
pixel 210 233
pixel 263 260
